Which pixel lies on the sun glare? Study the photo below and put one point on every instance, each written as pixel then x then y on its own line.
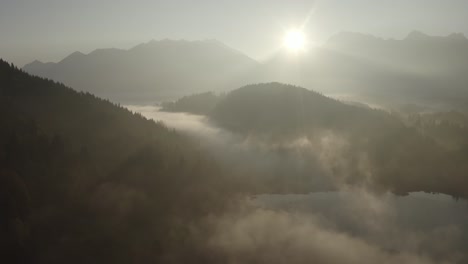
pixel 294 40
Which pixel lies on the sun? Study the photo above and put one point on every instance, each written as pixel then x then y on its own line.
pixel 294 40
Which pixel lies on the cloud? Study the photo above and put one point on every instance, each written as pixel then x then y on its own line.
pixel 267 236
pixel 423 226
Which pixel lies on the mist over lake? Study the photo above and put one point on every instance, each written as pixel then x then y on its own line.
pixel 228 132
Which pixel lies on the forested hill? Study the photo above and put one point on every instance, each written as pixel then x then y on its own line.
pixel 85 181
pixel 200 103
pixel 361 145
pixel 279 108
pixel 367 145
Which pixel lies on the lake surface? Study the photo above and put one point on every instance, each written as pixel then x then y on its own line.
pixel 424 224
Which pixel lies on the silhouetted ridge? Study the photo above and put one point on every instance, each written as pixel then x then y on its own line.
pixel 77 55
pixel 416 35
pixel 276 108
pixel 36 62
pixel 202 104
pixel 79 174
pixel 420 36
pixel 457 36
pixel 352 38
pixel 151 71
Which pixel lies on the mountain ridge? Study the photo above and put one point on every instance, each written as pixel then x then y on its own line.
pixel 418 69
pixel 166 68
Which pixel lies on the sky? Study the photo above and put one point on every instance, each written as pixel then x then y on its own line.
pixel 49 30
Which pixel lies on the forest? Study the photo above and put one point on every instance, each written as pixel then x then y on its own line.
pixel 387 150
pixel 84 180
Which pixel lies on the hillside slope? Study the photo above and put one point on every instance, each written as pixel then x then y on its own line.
pixel 85 181
pixel 354 145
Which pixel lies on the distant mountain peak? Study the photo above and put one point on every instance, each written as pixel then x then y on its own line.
pixel 166 41
pixel 75 55
pixel 104 51
pixel 356 37
pixel 457 36
pixel 213 41
pixel 416 35
pixel 36 62
pixel 348 37
pixel 182 44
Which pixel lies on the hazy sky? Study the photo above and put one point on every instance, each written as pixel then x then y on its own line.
pixel 48 30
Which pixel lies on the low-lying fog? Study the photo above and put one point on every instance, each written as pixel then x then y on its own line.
pixel 342 225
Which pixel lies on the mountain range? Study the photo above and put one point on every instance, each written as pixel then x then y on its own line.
pixel 419 69
pixel 150 71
